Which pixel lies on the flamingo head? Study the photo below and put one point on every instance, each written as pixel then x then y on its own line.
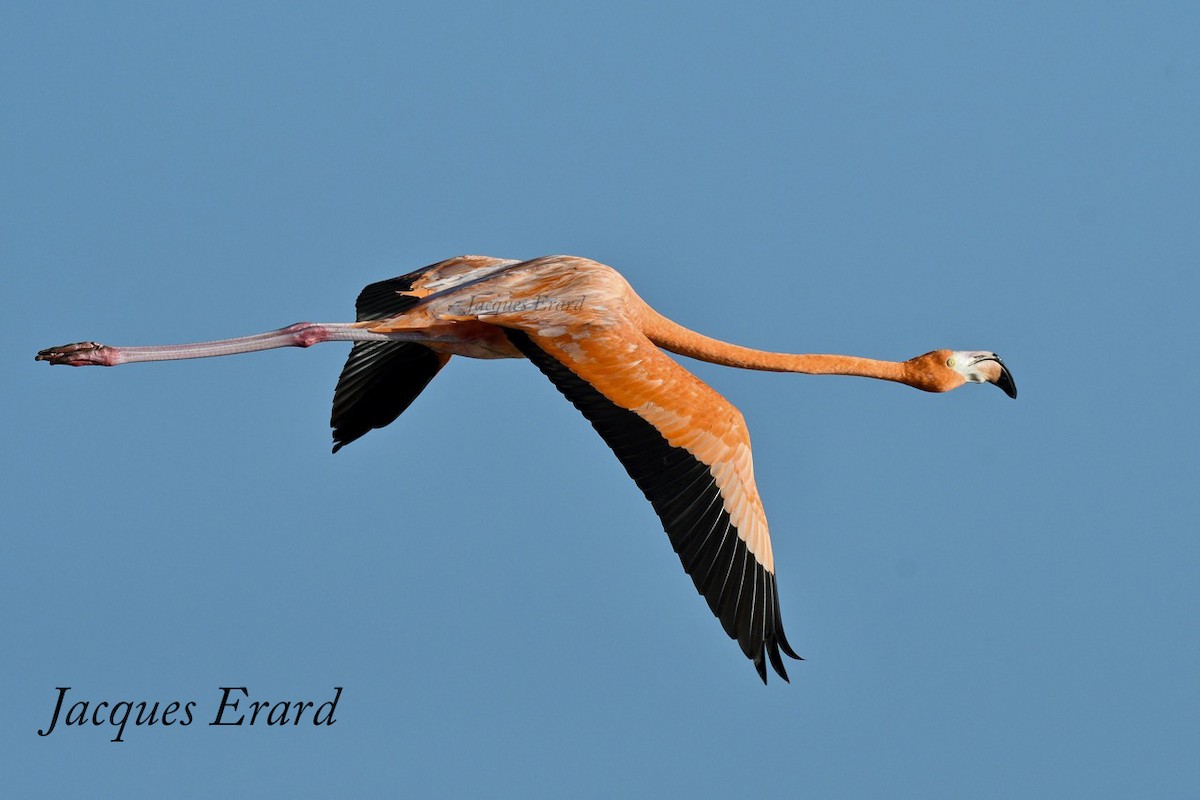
pixel 943 370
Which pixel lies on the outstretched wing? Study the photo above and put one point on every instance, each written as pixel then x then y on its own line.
pixel 688 450
pixel 381 379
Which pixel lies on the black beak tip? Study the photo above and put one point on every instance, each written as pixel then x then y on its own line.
pixel 1006 382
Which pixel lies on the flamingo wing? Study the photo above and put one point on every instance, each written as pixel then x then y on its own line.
pixel 381 379
pixel 688 450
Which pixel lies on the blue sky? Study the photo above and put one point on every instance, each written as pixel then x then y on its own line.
pixel 995 598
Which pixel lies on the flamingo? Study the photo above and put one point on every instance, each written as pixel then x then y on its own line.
pixel 582 325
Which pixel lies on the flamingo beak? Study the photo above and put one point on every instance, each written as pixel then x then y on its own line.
pixel 1005 379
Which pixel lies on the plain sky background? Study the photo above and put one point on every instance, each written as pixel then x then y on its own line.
pixel 995 598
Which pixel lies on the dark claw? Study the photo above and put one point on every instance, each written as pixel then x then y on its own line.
pixel 80 354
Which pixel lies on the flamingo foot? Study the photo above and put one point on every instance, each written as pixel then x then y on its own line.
pixel 80 354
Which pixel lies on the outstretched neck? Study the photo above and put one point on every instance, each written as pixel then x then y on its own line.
pixel 678 339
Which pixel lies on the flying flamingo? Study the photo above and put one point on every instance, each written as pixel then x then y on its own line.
pixel 582 325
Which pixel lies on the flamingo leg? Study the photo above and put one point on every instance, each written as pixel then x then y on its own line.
pixel 301 334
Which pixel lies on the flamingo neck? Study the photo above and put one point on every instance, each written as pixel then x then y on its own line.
pixel 678 339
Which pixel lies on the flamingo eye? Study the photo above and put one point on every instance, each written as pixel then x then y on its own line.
pixel 950 362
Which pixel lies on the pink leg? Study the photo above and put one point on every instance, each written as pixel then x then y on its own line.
pixel 302 334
